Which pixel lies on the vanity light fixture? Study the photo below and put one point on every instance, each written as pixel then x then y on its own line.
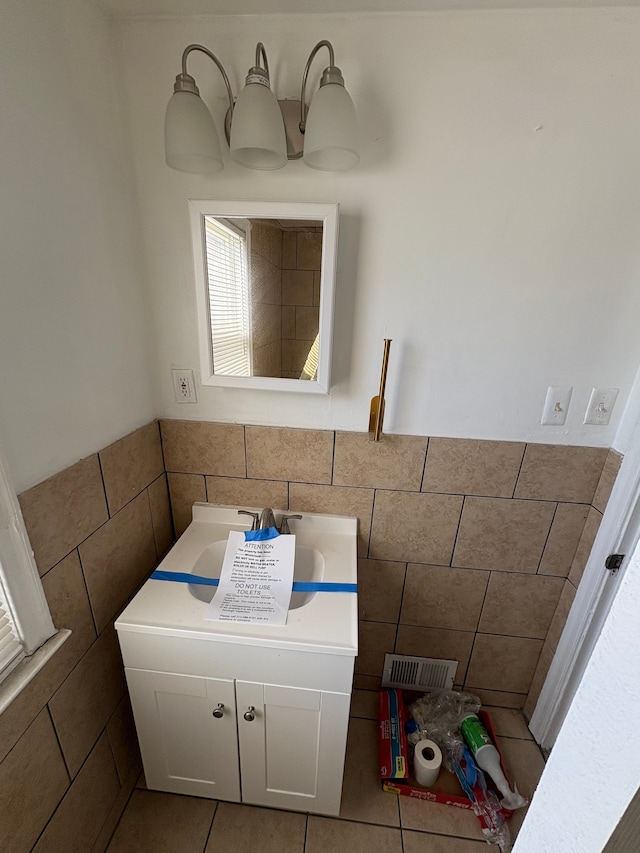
pixel 263 132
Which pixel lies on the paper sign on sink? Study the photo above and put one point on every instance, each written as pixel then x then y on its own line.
pixel 255 581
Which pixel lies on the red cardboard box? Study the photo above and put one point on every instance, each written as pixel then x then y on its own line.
pixel 395 768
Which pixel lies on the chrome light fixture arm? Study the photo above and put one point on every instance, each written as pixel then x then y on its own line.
pixel 329 75
pixel 186 83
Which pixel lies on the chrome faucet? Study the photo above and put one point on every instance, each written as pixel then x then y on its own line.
pixel 265 519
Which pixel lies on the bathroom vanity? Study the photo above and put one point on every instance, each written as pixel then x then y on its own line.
pixel 245 712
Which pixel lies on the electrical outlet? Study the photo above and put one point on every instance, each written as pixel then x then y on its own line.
pixel 556 406
pixel 184 386
pixel 600 406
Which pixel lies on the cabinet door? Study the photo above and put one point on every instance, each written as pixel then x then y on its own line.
pixel 292 751
pixel 185 748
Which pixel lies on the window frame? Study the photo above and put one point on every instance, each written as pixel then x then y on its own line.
pixel 26 602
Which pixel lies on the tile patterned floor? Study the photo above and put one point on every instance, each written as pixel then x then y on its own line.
pixel 370 819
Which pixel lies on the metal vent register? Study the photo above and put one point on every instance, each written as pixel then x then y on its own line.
pixel 413 673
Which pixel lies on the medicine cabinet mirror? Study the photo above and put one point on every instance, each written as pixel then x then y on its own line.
pixel 265 279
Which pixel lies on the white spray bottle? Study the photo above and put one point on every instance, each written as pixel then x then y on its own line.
pixel 488 759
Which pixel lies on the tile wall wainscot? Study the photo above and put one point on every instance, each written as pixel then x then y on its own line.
pixel 68 750
pixel 469 550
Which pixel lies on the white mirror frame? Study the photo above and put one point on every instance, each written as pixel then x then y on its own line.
pixel 328 213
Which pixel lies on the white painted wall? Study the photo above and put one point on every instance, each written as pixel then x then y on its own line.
pixel 73 338
pixel 491 229
pixel 592 774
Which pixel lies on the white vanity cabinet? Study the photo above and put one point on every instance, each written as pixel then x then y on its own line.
pixel 239 722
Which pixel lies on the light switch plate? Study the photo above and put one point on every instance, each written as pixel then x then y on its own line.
pixel 556 406
pixel 600 406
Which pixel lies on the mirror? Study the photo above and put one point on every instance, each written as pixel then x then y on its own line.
pixel 265 279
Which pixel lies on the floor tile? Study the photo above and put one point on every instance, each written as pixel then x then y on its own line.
pixel 524 763
pixel 508 722
pixel 422 842
pixel 327 835
pixel 164 823
pixel 434 817
pixel 364 703
pixel 248 829
pixel 362 796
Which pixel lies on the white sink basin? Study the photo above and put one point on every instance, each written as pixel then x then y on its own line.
pixel 308 566
pixel 317 621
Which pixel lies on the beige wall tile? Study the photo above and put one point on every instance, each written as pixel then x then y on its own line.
pixel 471 467
pixel 234 491
pixel 309 250
pixel 436 643
pixel 376 639
pixel 33 780
pixel 266 325
pixel 442 597
pixel 198 447
pixel 157 821
pixel 305 455
pixel 607 479
pixel 85 806
pixel 505 535
pixel 247 829
pixel 591 527
pixel 566 530
pixel 130 464
pixel 560 615
pixel 118 558
pixel 554 472
pixel 289 252
pixel 362 796
pixel 500 698
pixel 395 463
pixel 272 241
pixel 520 605
pixel 82 706
pixel 288 321
pixel 326 834
pixel 317 281
pixel 161 515
pixel 294 356
pixel 503 663
pixel 307 323
pixel 64 587
pixel 266 281
pixel 184 491
pixel 297 287
pixel 418 528
pixel 336 500
pixel 61 512
pixel 538 680
pixel 380 590
pixel 121 731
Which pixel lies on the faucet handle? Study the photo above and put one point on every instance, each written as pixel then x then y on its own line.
pixel 254 515
pixel 284 523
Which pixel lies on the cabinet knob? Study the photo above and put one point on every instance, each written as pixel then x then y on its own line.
pixel 249 714
pixel 219 711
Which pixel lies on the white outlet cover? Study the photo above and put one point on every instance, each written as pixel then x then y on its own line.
pixel 556 406
pixel 600 406
pixel 184 386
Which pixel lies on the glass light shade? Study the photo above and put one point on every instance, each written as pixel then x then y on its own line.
pixel 331 134
pixel 258 139
pixel 190 139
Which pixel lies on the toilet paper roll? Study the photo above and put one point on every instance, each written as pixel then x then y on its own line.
pixel 427 760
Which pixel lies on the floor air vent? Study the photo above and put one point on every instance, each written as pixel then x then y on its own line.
pixel 412 673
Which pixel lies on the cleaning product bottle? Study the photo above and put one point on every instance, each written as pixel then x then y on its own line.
pixel 488 759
